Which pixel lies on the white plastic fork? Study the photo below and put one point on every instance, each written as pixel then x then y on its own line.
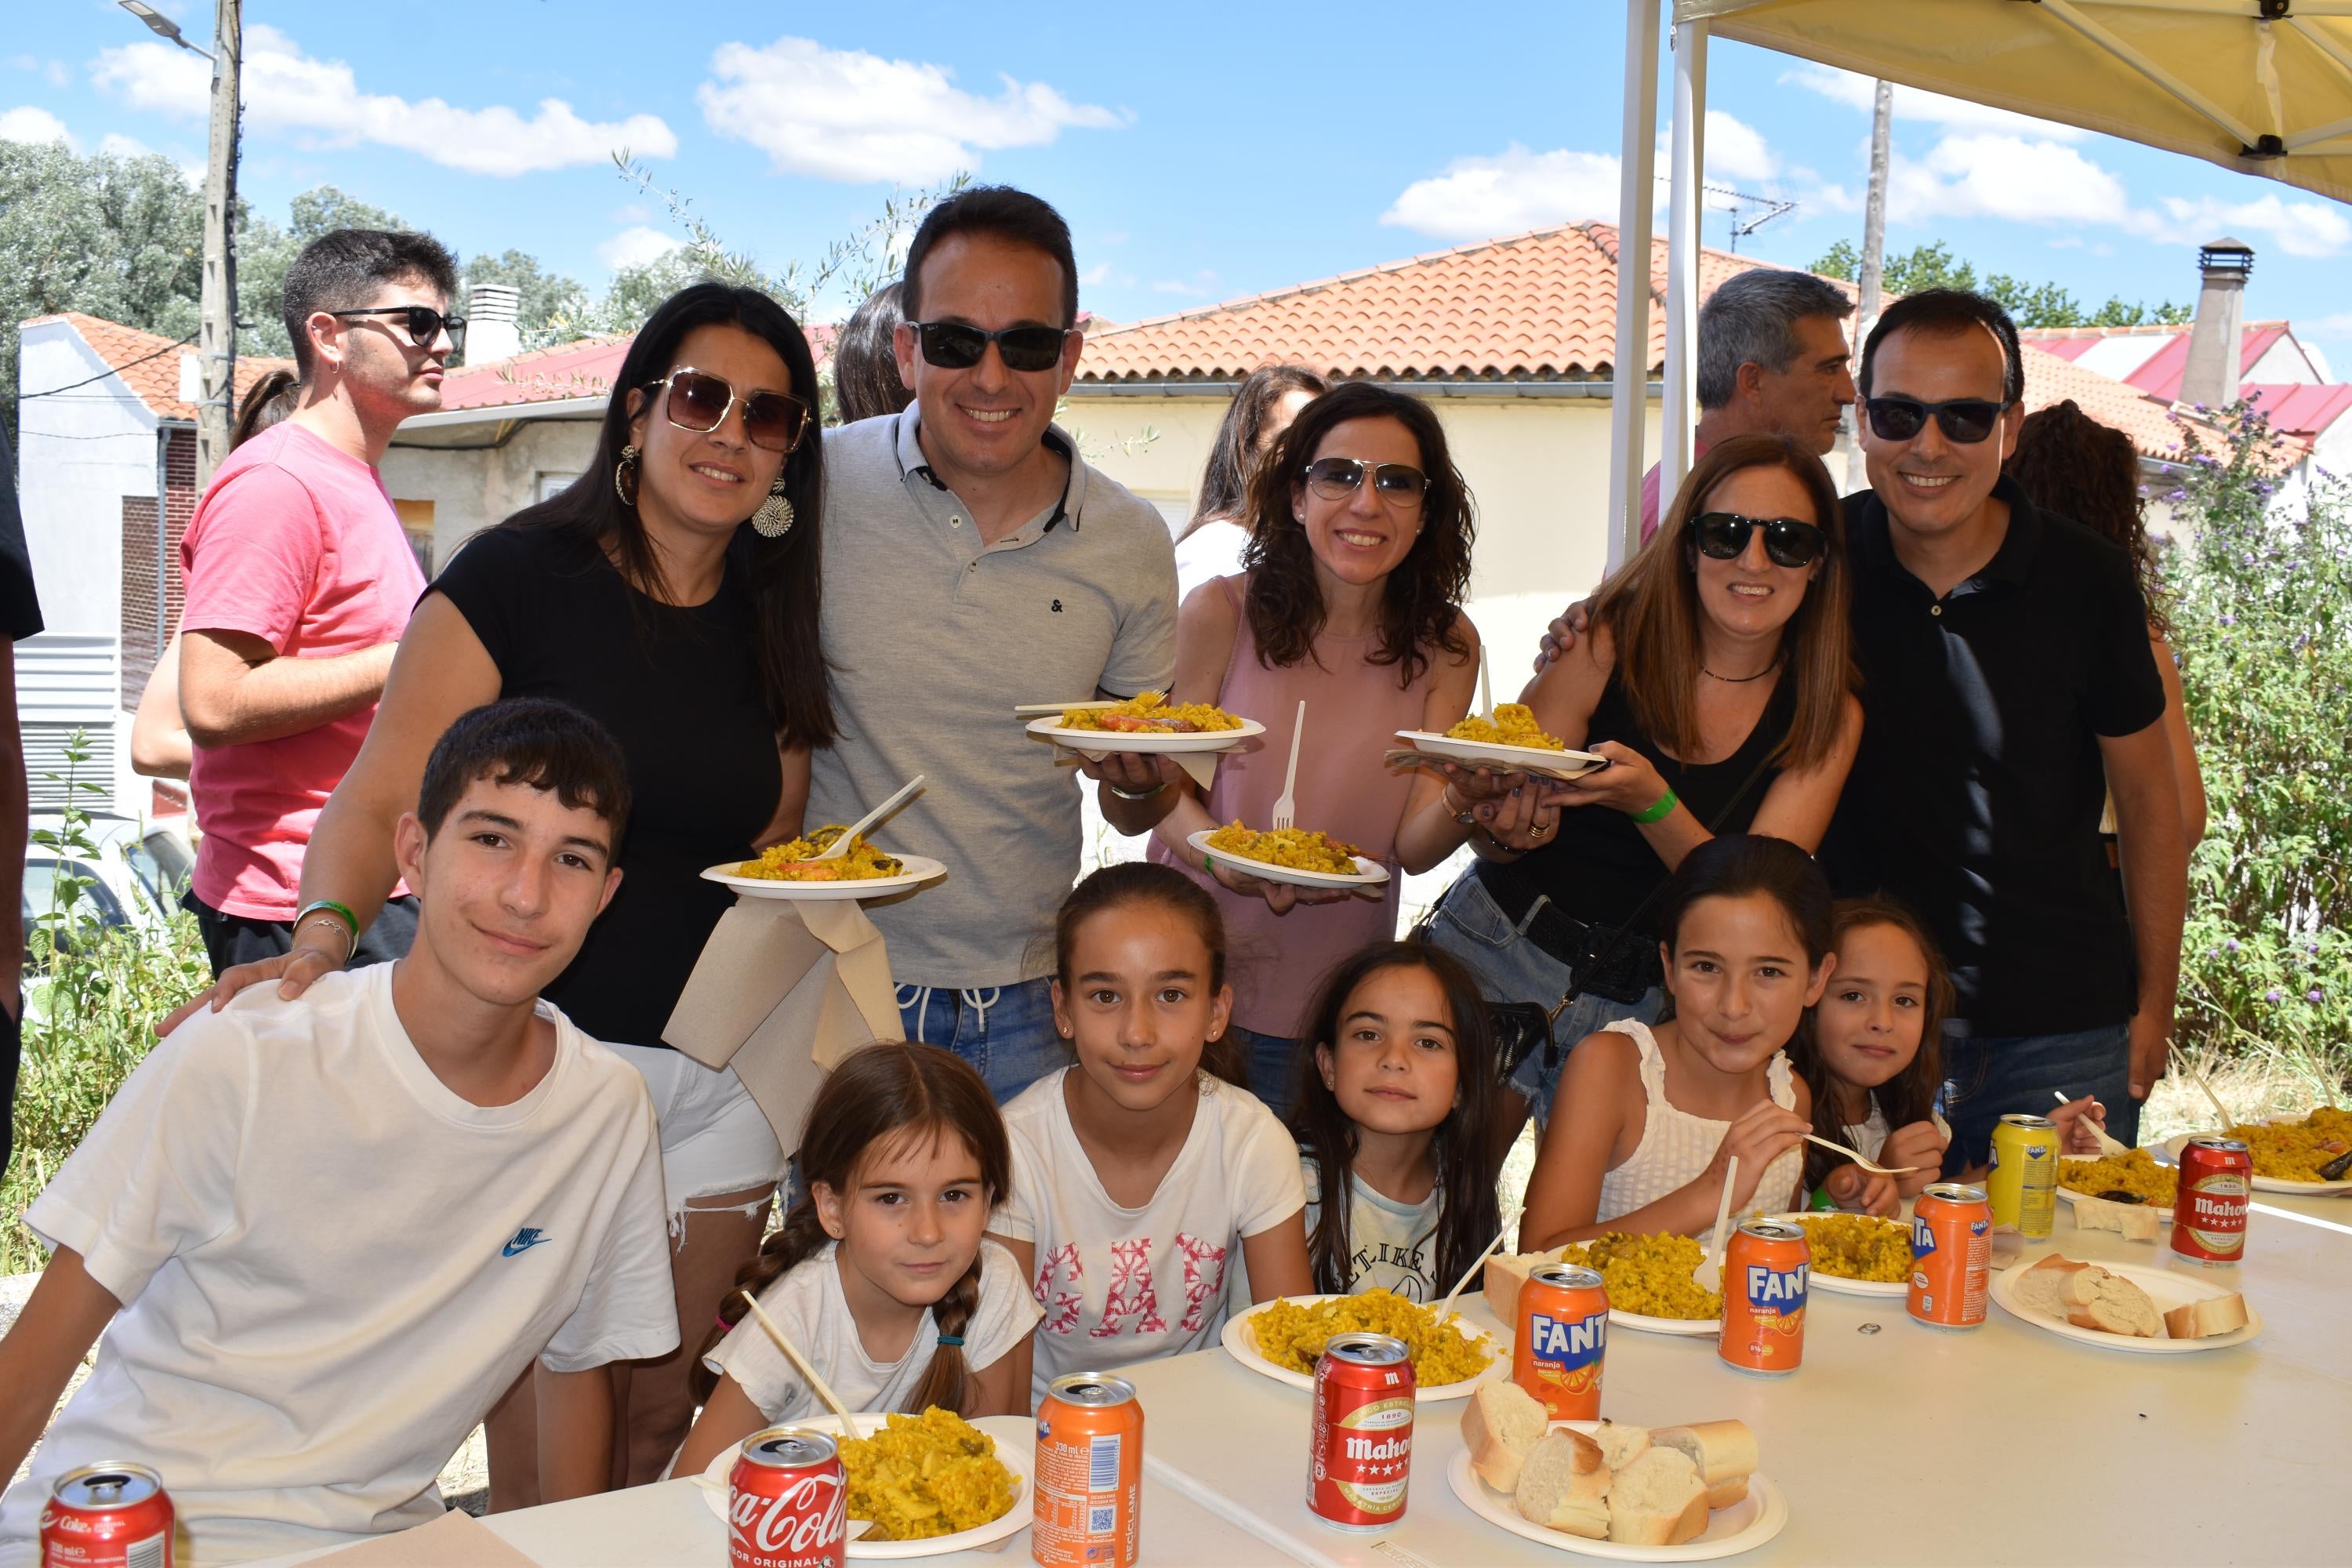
pixel 840 846
pixel 1709 1272
pixel 2107 1146
pixel 1873 1166
pixel 1285 810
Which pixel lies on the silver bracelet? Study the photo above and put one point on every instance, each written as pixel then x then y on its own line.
pixel 350 943
pixel 1131 794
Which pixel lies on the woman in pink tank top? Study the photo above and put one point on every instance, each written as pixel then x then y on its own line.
pixel 1350 595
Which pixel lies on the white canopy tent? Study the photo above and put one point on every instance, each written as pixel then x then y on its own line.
pixel 2263 87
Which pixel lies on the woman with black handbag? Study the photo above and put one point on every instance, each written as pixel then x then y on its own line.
pixel 1719 683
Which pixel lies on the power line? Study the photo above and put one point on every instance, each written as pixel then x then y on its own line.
pixel 117 370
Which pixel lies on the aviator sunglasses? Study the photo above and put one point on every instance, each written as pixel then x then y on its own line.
pixel 1723 536
pixel 954 345
pixel 699 402
pixel 424 322
pixel 1967 420
pixel 1337 479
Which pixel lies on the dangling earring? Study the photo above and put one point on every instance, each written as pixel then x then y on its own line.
pixel 625 477
pixel 774 518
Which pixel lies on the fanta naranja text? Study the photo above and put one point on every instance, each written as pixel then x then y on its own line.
pixel 1561 1337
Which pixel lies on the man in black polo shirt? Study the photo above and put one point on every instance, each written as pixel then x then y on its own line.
pixel 2010 688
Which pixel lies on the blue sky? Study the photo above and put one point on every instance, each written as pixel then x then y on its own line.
pixel 1200 152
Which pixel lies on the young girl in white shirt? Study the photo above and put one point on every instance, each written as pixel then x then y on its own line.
pixel 1137 1177
pixel 1395 1108
pixel 880 1274
pixel 1646 1118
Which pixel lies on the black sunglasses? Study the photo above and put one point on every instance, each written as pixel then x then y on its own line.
pixel 1967 420
pixel 952 345
pixel 425 323
pixel 1336 479
pixel 700 401
pixel 1723 536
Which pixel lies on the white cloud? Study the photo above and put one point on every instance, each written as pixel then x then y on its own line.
pixel 55 71
pixel 1479 196
pixel 1736 150
pixel 2299 229
pixel 320 104
pixel 32 125
pixel 846 115
pixel 635 246
pixel 114 144
pixel 1910 103
pixel 1200 286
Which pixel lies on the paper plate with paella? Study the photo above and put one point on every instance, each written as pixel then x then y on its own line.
pixel 1149 723
pixel 1282 1339
pixel 2135 1177
pixel 1510 740
pixel 1649 1277
pixel 1856 1254
pixel 1294 855
pixel 924 1486
pixel 799 868
pixel 2288 1155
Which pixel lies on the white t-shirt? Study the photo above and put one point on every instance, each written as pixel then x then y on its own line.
pixel 332 1266
pixel 1213 550
pixel 808 1304
pixel 1120 1285
pixel 1871 1136
pixel 1394 1244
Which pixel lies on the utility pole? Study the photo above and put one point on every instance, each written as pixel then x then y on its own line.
pixel 1873 251
pixel 216 341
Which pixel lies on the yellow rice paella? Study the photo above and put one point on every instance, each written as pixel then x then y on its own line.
pixel 1292 1335
pixel 927 1475
pixel 796 861
pixel 1514 724
pixel 1650 1275
pixel 1292 848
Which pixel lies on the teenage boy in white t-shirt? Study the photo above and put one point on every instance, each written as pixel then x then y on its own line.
pixel 323 1236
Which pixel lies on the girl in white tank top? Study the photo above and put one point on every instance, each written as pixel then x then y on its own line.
pixel 1646 1117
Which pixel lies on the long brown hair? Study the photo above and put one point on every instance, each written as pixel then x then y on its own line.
pixel 880 1097
pixel 1147 882
pixel 267 403
pixel 1652 608
pixel 1233 455
pixel 1420 605
pixel 1910 1094
pixel 1468 1214
pixel 2069 463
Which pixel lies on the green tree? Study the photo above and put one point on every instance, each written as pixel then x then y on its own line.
pixel 555 308
pixel 2029 304
pixel 265 251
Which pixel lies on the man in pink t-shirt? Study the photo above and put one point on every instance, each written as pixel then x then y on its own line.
pixel 299 580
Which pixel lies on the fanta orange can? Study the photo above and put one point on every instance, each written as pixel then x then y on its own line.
pixel 1951 1256
pixel 1562 1336
pixel 1089 1483
pixel 1767 1267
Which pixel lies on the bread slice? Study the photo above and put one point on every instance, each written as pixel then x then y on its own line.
pixel 2133 1222
pixel 1724 1452
pixel 2041 1288
pixel 2201 1319
pixel 1621 1445
pixel 1506 1272
pixel 1563 1484
pixel 1657 1500
pixel 2095 1298
pixel 1501 1425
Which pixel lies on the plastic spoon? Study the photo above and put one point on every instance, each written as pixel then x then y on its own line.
pixel 2106 1145
pixel 2211 1098
pixel 1709 1272
pixel 841 845
pixel 1486 689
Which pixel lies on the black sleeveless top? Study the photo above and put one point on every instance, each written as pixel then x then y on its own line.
pixel 1599 868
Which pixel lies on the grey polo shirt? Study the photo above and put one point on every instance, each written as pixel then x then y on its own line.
pixel 932 637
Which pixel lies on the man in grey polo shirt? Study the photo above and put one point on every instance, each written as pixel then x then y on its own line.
pixel 973 561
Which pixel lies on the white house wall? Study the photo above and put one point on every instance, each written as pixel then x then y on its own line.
pixel 471 490
pixel 2284 362
pixel 77 455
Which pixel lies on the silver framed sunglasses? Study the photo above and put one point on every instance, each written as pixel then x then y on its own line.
pixel 700 402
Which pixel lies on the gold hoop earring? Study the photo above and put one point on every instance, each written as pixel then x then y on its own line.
pixel 625 477
pixel 774 518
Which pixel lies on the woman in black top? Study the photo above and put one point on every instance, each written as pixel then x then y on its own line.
pixel 1718 683
pixel 671 592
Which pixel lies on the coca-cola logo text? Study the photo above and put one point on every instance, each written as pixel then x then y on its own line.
pixel 808 1516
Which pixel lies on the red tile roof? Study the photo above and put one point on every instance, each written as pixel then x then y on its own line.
pixel 582 369
pixel 149 363
pixel 2049 379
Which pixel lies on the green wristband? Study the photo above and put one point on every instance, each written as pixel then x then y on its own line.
pixel 1660 812
pixel 329 906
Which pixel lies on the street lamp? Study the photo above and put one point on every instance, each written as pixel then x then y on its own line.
pixel 160 24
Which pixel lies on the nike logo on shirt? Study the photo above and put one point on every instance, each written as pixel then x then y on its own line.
pixel 524 1241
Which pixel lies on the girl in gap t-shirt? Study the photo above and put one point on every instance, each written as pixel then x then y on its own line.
pixel 1137 1177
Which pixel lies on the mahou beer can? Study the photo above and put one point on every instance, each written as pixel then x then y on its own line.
pixel 107 1516
pixel 1090 1481
pixel 2217 1187
pixel 1360 1443
pixel 1951 1256
pixel 1767 1267
pixel 2023 1185
pixel 1563 1337
pixel 787 1502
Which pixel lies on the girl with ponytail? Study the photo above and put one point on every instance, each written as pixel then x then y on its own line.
pixel 880 1273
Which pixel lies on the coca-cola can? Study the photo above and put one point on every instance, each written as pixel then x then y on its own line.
pixel 1360 1443
pixel 787 1501
pixel 107 1516
pixel 2217 1188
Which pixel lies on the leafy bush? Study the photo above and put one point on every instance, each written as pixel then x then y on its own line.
pixel 2263 625
pixel 93 996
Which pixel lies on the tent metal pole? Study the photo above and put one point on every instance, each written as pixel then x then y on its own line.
pixel 2098 35
pixel 1686 205
pixel 1629 372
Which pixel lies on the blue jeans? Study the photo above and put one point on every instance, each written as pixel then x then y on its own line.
pixel 1508 967
pixel 1006 1031
pixel 1272 1063
pixel 1989 1077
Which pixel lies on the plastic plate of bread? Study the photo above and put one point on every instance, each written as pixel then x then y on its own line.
pixel 2126 1306
pixel 1633 1494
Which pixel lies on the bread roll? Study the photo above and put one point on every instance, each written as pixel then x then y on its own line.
pixel 2133 1222
pixel 1657 1500
pixel 2040 1288
pixel 1724 1453
pixel 1563 1484
pixel 2201 1319
pixel 1506 1272
pixel 1621 1445
pixel 2095 1298
pixel 1501 1424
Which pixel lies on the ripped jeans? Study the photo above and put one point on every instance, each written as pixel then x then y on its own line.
pixel 715 1138
pixel 1006 1031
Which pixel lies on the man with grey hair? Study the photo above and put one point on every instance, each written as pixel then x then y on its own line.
pixel 1772 359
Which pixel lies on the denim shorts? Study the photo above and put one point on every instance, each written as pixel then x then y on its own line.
pixel 1272 1063
pixel 1006 1031
pixel 1991 1076
pixel 714 1137
pixel 1509 967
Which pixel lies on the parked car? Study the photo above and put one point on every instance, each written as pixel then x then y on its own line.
pixel 137 878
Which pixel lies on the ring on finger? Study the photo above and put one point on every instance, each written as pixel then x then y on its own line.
pixel 1537 829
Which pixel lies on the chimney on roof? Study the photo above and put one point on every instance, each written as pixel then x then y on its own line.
pixel 2217 337
pixel 492 331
